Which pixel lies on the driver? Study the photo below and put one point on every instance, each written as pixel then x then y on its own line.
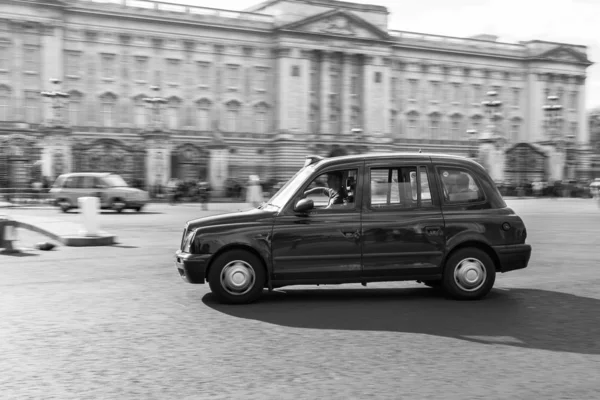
pixel 335 190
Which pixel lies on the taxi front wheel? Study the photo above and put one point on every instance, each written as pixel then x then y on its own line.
pixel 469 274
pixel 237 277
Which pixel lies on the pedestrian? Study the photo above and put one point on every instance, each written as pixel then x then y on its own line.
pixel 254 191
pixel 204 194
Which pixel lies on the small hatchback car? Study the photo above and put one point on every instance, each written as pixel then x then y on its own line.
pixel 432 218
pixel 112 190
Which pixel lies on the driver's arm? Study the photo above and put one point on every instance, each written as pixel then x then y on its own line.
pixel 322 190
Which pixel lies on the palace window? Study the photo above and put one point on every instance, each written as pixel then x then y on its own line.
pixel 435 91
pixel 204 115
pixel 141 68
pixel 32 108
pixel 515 130
pixel 174 113
pixel 295 70
pixel 574 128
pixel 455 127
pixel 573 100
pixel 413 85
pixel 173 70
pixel 233 116
pixel 260 115
pixel 260 83
pixel 203 73
pixel 4 103
pixel 516 97
pixel 5 58
pixel 142 113
pixel 233 76
pixel 73 63
pixel 457 91
pixel 393 89
pixel 313 119
pixel 413 125
pixel 434 126
pixel 477 96
pixel 377 77
pixel 108 66
pixel 75 109
pixel 108 110
pixel 393 121
pixel 31 59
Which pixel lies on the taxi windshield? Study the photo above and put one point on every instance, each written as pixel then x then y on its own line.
pixel 283 195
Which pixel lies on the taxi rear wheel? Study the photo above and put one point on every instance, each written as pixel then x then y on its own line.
pixel 237 277
pixel 469 274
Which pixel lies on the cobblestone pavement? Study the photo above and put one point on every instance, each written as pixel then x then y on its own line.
pixel 118 323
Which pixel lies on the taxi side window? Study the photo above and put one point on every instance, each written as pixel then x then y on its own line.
pixel 400 187
pixel 459 186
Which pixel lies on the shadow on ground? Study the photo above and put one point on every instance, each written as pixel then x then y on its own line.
pixel 22 253
pixel 528 318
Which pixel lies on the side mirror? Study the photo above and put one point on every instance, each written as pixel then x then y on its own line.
pixel 304 205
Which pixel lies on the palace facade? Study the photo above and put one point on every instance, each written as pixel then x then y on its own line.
pixel 253 92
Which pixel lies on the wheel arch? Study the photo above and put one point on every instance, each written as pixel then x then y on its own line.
pixel 238 246
pixel 478 245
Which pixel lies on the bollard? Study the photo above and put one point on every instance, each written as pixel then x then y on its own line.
pixel 8 236
pixel 89 215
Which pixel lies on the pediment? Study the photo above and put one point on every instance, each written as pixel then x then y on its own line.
pixel 337 23
pixel 565 54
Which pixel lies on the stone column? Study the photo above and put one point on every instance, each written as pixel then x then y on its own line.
pixel 367 104
pixel 283 101
pixel 305 56
pixel 325 89
pixel 583 133
pixel 386 101
pixel 51 66
pixel 533 107
pixel 158 157
pixel 346 106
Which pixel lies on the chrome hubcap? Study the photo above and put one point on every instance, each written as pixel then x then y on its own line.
pixel 470 274
pixel 237 278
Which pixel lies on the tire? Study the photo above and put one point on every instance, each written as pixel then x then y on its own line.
pixel 243 265
pixel 138 209
pixel 64 205
pixel 118 205
pixel 480 279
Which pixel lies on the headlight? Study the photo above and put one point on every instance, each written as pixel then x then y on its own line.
pixel 187 244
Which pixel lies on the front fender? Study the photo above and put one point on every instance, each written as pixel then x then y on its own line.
pixel 215 240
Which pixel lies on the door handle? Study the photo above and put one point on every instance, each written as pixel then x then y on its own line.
pixel 433 230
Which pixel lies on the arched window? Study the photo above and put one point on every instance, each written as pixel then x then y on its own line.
pixel 4 103
pixel 108 109
pixel 261 118
pixel 233 116
pixel 204 107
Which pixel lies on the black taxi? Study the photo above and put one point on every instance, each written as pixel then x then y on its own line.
pixel 432 218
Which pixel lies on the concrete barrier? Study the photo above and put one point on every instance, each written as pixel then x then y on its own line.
pixel 8 235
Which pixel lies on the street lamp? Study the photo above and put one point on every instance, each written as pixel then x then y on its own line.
pixel 492 109
pixel 552 110
pixel 56 97
pixel 155 102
